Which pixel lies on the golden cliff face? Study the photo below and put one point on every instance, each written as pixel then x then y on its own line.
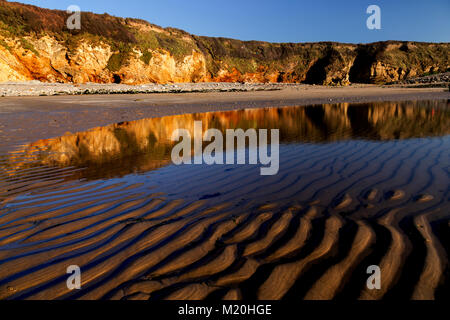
pixel 50 61
pixel 163 68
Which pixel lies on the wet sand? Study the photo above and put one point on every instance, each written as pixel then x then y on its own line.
pixel 350 194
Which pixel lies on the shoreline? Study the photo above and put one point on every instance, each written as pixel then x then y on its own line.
pixel 27 119
pixel 36 88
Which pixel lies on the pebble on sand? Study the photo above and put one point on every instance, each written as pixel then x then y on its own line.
pixel 372 195
pixel 396 195
pixel 345 202
pixel 425 198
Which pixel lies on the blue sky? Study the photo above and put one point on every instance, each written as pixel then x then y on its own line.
pixel 283 20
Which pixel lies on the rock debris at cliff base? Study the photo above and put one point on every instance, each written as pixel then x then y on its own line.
pixel 37 88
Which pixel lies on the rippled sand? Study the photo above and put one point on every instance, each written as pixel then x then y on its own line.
pixel 358 186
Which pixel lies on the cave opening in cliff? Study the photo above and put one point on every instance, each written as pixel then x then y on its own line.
pixel 360 71
pixel 117 79
pixel 317 73
pixel 366 57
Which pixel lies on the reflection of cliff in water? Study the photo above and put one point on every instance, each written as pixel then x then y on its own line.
pixel 375 121
pixel 144 145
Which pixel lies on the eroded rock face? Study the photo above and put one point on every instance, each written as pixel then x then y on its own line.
pixel 164 68
pixel 11 69
pixel 36 46
pixel 52 62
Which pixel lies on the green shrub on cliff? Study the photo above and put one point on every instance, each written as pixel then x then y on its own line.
pixel 27 45
pixel 5 45
pixel 146 57
pixel 123 52
pixel 170 41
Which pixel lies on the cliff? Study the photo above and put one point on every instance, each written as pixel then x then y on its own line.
pixel 35 44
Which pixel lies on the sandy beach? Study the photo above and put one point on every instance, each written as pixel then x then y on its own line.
pixel 363 181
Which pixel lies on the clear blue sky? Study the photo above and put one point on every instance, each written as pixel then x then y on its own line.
pixel 283 20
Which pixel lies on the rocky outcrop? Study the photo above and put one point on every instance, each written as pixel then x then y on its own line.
pixel 36 45
pixel 50 61
pixel 432 79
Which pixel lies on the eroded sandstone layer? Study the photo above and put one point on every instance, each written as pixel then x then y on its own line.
pixel 35 44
